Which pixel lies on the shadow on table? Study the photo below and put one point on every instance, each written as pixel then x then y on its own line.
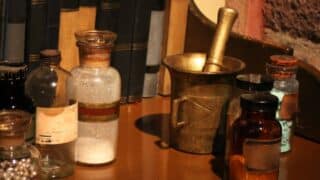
pixel 152 124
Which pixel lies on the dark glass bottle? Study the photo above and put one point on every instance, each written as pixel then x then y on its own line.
pixel 12 96
pixel 245 84
pixel 256 137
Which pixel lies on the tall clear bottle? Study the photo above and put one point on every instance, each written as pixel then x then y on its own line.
pixel 56 115
pixel 283 70
pixel 96 87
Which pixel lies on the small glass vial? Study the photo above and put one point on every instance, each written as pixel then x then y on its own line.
pixel 18 160
pixel 283 70
pixel 96 87
pixel 56 115
pixel 255 137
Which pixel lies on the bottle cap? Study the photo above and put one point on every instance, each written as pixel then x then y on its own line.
pixel 259 102
pixel 50 55
pixel 254 82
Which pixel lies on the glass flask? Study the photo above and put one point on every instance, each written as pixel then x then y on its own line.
pixel 256 137
pixel 283 70
pixel 96 86
pixel 18 160
pixel 56 115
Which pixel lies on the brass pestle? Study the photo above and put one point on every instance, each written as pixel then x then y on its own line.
pixel 214 60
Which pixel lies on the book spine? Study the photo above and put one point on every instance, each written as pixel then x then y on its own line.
pixel 2 27
pixel 15 31
pixel 69 21
pixel 108 15
pixel 35 29
pixel 52 27
pixel 121 55
pixel 154 52
pixel 139 49
pixel 87 14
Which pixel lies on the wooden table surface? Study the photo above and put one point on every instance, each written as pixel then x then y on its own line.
pixel 140 158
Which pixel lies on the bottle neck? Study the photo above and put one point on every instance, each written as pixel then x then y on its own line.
pixel 94 57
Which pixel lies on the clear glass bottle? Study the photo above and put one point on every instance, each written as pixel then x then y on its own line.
pixel 283 70
pixel 56 115
pixel 96 87
pixel 255 138
pixel 12 78
pixel 18 160
pixel 245 84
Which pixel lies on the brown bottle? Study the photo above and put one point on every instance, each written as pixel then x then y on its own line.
pixel 255 139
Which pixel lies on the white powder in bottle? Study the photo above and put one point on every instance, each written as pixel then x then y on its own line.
pixel 98 149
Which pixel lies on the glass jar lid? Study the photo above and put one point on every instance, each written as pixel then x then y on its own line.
pixel 259 102
pixel 254 82
pixel 13 72
pixel 13 122
pixel 95 38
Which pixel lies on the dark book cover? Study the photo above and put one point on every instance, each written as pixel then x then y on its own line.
pixel 15 31
pixel 52 27
pixel 108 14
pixel 2 27
pixel 121 56
pixel 67 5
pixel 139 49
pixel 35 29
pixel 88 2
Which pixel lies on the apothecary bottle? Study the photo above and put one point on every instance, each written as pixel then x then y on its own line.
pixel 245 84
pixel 56 115
pixel 255 137
pixel 96 87
pixel 282 69
pixel 12 96
pixel 18 160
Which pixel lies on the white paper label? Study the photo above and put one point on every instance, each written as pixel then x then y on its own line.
pixel 262 155
pixel 56 125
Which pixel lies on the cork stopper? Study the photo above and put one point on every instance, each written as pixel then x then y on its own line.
pixel 51 56
pixel 282 66
pixel 283 60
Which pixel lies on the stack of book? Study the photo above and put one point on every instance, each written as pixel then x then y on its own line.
pixel 29 26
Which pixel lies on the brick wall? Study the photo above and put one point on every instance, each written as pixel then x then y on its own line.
pixel 295 23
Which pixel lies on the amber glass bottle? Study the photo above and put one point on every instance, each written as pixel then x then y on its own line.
pixel 255 139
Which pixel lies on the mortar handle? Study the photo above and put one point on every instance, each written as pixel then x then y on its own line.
pixel 176 123
pixel 226 19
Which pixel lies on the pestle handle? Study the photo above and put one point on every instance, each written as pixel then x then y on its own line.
pixel 226 19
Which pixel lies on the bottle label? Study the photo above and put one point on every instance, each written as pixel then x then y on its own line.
pixel 98 112
pixel 286 127
pixel 56 125
pixel 286 114
pixel 262 155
